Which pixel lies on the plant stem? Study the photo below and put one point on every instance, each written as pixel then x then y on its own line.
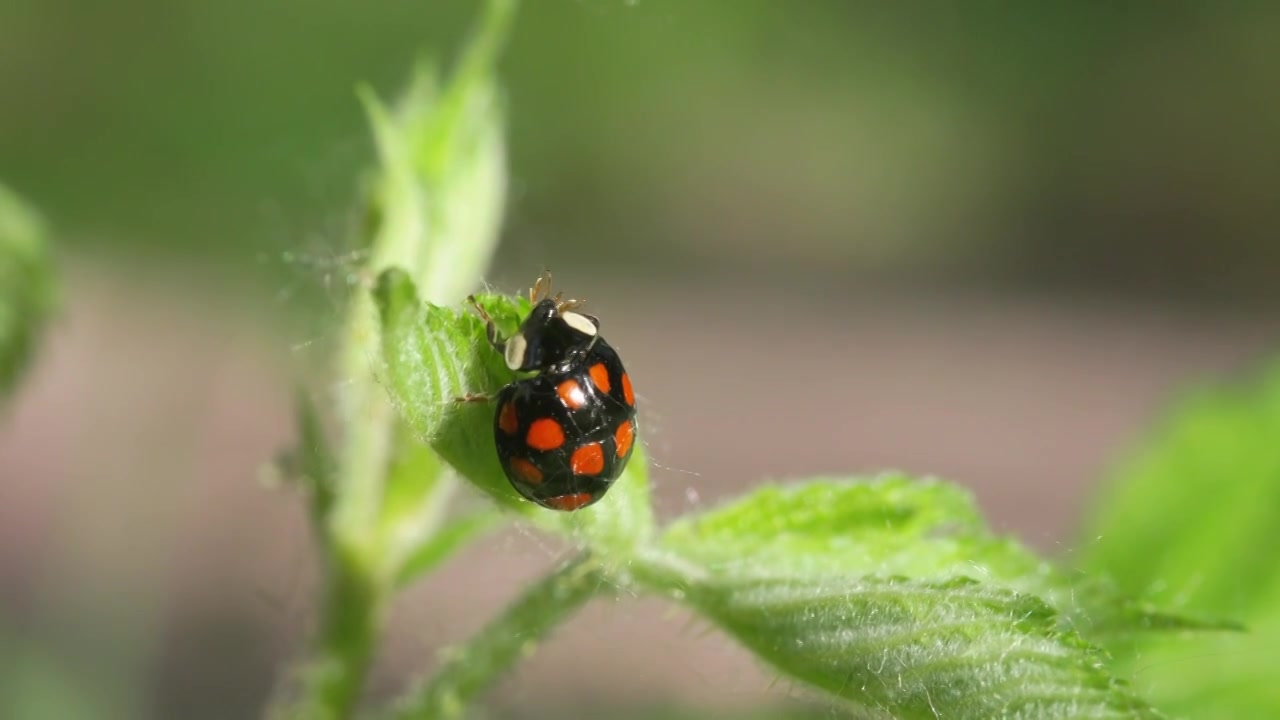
pixel 352 613
pixel 473 667
pixel 440 198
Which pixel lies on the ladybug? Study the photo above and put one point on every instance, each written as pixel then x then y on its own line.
pixel 565 433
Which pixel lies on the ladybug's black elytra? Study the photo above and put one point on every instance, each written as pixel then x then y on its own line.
pixel 565 434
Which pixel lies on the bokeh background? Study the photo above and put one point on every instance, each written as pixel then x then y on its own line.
pixel 987 241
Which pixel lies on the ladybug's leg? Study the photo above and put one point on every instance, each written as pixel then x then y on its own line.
pixel 563 305
pixel 491 332
pixel 490 329
pixel 473 398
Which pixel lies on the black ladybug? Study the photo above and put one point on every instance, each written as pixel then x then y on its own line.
pixel 565 434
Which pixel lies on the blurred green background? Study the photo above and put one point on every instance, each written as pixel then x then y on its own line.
pixel 994 236
pixel 1128 146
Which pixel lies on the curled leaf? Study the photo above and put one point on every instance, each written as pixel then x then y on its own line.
pixel 434 357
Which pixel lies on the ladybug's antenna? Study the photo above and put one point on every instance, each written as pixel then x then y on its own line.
pixel 541 290
pixel 541 287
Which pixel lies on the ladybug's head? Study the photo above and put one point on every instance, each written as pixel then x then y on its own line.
pixel 552 336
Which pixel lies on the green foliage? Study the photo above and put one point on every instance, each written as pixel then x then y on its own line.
pixel 896 525
pixel 910 649
pixel 379 497
pixel 26 286
pixel 890 525
pixel 1190 522
pixel 436 207
pixel 787 711
pixel 434 357
pixel 890 595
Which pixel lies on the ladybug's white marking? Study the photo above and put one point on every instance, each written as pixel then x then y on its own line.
pixel 516 347
pixel 579 323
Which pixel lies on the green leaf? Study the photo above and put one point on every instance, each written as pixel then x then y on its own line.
pixel 437 204
pixel 892 525
pixel 436 355
pixel 666 711
pixel 892 594
pixel 26 286
pixel 1190 521
pixel 908 649
pixel 440 194
pixel 1186 516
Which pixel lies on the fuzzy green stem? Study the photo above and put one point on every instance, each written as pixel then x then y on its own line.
pixel 418 245
pixel 349 628
pixel 440 199
pixel 471 668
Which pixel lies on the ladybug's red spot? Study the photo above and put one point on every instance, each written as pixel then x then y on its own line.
pixel 569 503
pixel 600 376
pixel 526 471
pixel 571 394
pixel 507 419
pixel 626 390
pixel 623 436
pixel 545 434
pixel 587 460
